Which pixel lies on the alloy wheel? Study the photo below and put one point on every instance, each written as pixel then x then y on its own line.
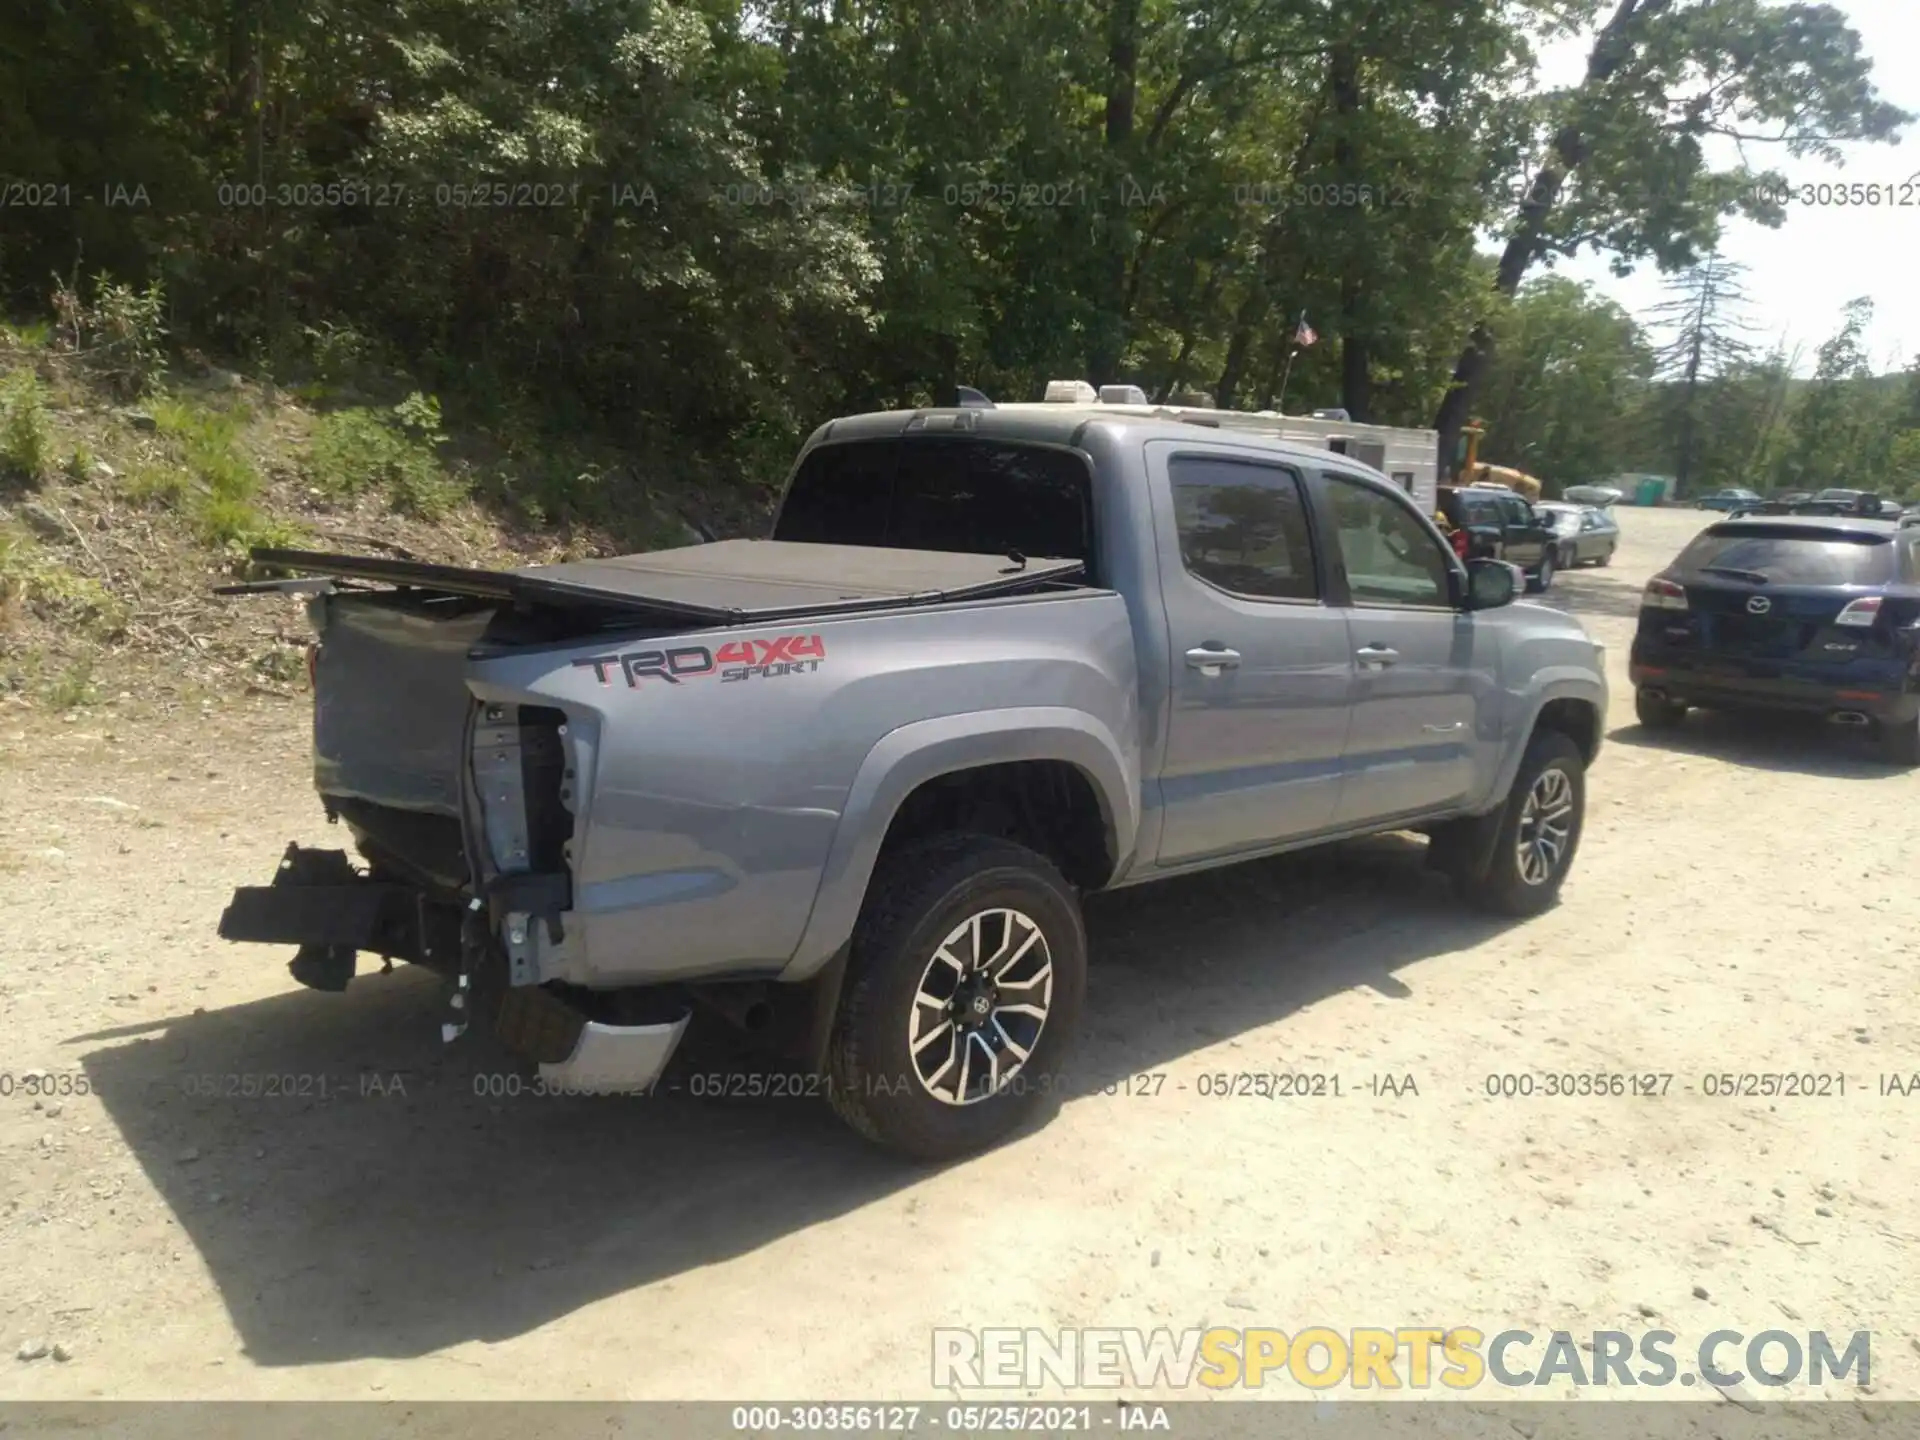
pixel 1546 826
pixel 981 1006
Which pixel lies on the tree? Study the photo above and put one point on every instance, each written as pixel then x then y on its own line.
pixel 1831 431
pixel 1569 373
pixel 1707 340
pixel 1624 166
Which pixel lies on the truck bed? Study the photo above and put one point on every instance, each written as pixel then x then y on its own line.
pixel 727 582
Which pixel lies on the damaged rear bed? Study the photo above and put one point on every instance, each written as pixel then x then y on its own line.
pixel 461 724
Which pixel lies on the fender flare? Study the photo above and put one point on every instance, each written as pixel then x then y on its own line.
pixel 904 759
pixel 1557 683
pixel 1475 835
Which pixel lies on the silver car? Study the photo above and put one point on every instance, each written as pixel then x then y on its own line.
pixel 1586 534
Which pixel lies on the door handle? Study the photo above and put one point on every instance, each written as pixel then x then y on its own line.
pixel 1376 655
pixel 1212 659
pixel 1444 729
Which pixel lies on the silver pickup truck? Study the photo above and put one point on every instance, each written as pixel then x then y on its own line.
pixel 846 786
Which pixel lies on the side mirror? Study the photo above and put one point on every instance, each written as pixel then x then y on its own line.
pixel 1491 584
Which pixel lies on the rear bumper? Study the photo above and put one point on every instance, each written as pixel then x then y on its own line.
pixel 319 899
pixel 616 1059
pixel 319 902
pixel 1738 685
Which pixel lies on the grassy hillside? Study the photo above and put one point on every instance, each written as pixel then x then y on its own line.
pixel 125 499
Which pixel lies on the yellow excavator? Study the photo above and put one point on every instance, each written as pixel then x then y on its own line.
pixel 1472 472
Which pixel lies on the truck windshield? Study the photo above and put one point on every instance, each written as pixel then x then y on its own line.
pixel 917 493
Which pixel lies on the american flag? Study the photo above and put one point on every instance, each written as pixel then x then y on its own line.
pixel 1305 335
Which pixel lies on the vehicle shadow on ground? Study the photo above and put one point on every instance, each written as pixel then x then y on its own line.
pixel 390 1207
pixel 1762 740
pixel 1592 592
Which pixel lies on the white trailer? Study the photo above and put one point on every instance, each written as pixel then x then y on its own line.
pixel 1409 458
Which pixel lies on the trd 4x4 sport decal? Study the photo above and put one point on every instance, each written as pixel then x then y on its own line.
pixel 736 660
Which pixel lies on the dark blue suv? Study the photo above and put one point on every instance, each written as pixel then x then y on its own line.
pixel 1810 613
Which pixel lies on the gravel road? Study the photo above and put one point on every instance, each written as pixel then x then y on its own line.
pixel 370 1227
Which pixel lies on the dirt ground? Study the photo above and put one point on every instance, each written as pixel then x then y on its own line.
pixel 1737 906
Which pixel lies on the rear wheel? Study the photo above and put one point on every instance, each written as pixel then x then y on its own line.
pixel 1539 830
pixel 1607 558
pixel 1541 580
pixel 1657 712
pixel 1900 742
pixel 962 998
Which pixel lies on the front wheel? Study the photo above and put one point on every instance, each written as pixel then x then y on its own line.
pixel 1539 830
pixel 1541 580
pixel 962 998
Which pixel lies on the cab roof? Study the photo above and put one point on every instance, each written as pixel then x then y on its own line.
pixel 1062 424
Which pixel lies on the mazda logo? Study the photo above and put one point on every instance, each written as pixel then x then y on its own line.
pixel 1759 605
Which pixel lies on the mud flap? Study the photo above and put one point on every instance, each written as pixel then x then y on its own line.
pixel 1463 849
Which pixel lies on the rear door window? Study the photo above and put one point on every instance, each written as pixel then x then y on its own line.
pixel 1784 555
pixel 1243 528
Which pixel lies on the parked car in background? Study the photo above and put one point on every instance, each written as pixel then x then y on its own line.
pixel 1793 497
pixel 1728 499
pixel 1808 613
pixel 1490 522
pixel 1601 495
pixel 1586 535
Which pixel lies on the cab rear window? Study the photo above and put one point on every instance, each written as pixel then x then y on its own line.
pixel 978 496
pixel 1786 555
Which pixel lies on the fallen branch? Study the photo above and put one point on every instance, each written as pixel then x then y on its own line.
pixel 81 541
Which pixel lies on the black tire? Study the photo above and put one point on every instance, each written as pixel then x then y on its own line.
pixel 1900 743
pixel 1569 558
pixel 1607 559
pixel 1505 888
pixel 1541 580
pixel 917 898
pixel 1656 712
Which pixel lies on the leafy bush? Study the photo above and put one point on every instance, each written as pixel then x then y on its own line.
pixel 74 687
pixel 392 451
pixel 120 336
pixel 26 441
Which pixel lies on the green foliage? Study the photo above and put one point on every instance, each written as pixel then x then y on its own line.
pixel 26 439
pixel 1572 368
pixel 207 475
pixel 393 451
pixel 36 581
pixel 119 335
pixel 698 227
pixel 73 688
pixel 207 443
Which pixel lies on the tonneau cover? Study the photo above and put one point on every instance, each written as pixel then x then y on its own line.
pixel 727 581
